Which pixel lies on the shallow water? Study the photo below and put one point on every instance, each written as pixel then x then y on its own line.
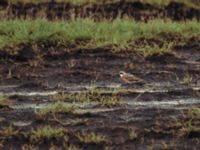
pixel 90 107
pixel 10 90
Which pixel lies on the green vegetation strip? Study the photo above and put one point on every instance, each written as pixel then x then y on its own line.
pixel 86 33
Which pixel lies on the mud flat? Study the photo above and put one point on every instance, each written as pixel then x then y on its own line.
pixel 60 86
pixel 88 107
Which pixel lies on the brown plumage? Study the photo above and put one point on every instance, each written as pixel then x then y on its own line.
pixel 129 78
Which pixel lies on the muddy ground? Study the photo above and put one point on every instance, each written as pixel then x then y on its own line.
pixel 136 10
pixel 158 112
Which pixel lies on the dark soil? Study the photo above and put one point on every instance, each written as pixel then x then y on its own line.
pixel 136 10
pixel 56 67
pixel 158 111
pixel 74 69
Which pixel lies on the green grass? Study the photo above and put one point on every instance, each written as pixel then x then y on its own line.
pixel 148 50
pixel 46 133
pixel 109 100
pixel 187 78
pixel 85 33
pixel 3 101
pixel 58 107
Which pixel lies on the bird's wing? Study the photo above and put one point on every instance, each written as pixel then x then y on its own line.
pixel 132 78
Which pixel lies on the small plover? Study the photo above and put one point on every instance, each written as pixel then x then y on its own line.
pixel 129 78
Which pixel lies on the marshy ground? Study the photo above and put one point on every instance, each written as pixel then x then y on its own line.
pixel 59 76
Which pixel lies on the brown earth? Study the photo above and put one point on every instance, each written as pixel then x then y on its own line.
pixel 136 10
pixel 158 111
pixel 70 69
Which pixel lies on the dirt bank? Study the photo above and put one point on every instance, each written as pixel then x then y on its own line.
pixel 136 10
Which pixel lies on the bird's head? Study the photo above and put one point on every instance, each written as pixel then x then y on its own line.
pixel 121 73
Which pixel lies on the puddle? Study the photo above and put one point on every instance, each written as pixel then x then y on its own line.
pixel 22 123
pixel 165 104
pixel 112 88
pixel 91 107
pixel 46 93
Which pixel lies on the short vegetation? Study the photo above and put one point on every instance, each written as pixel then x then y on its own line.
pixel 92 138
pixel 191 124
pixel 108 100
pixel 8 132
pixel 187 79
pixel 58 107
pixel 46 133
pixel 133 134
pixel 3 101
pixel 86 33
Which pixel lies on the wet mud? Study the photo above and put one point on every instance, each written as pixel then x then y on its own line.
pixel 158 114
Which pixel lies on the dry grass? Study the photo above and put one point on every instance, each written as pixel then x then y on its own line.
pixel 92 138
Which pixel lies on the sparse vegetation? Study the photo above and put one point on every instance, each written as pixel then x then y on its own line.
pixel 192 123
pixel 29 147
pixel 71 64
pixel 187 79
pixel 90 96
pixel 92 138
pixel 148 50
pixel 3 100
pixel 9 75
pixel 73 147
pixel 60 97
pixel 132 134
pixel 58 107
pixel 8 132
pixel 46 133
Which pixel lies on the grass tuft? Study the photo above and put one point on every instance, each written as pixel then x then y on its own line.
pixel 8 132
pixel 187 79
pixel 46 133
pixel 108 100
pixel 4 101
pixel 132 134
pixel 92 138
pixel 58 107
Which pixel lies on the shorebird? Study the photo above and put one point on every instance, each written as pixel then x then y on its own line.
pixel 129 78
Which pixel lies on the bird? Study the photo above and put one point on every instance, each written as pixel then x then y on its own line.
pixel 129 78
